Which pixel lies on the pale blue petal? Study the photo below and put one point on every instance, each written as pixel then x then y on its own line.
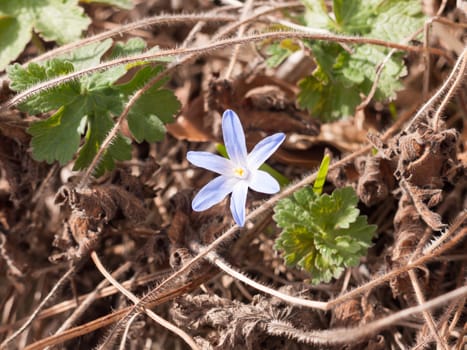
pixel 263 182
pixel 264 149
pixel 213 192
pixel 238 202
pixel 234 138
pixel 210 161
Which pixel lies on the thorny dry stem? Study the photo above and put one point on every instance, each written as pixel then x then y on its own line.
pixel 164 19
pixel 227 268
pixel 456 83
pixel 325 306
pixel 125 333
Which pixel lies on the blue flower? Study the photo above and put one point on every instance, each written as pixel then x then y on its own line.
pixel 238 173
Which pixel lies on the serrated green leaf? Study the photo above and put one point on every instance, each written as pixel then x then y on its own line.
pixel 147 116
pixel 57 138
pixel 322 234
pixel 95 99
pixel 132 47
pixel 395 20
pixel 328 101
pixel 58 20
pixel 97 129
pixel 335 88
pixel 23 78
pixel 89 55
pixel 341 78
pixel 335 211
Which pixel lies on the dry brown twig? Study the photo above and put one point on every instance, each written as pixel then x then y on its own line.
pixel 42 304
pixel 136 301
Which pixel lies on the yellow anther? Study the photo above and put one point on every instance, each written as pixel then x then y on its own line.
pixel 240 172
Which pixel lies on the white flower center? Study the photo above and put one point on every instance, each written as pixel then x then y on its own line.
pixel 240 172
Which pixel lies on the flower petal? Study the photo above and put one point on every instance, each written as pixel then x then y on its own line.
pixel 264 149
pixel 213 192
pixel 263 182
pixel 234 138
pixel 238 202
pixel 210 161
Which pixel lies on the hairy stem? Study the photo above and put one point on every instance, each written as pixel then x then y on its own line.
pixel 453 80
pixel 241 30
pixel 227 268
pixel 202 50
pixel 353 334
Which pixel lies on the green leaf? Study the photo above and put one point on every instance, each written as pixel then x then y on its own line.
pixel 146 118
pixel 395 20
pixel 338 210
pixel 327 101
pixel 57 138
pixel 98 128
pixel 88 106
pixel 354 17
pixel 14 36
pixel 24 78
pixel 335 87
pixel 58 20
pixel 124 4
pixel 140 79
pixel 322 234
pixel 132 47
pixel 316 14
pixel 89 55
pixel 321 176
pixel 278 52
